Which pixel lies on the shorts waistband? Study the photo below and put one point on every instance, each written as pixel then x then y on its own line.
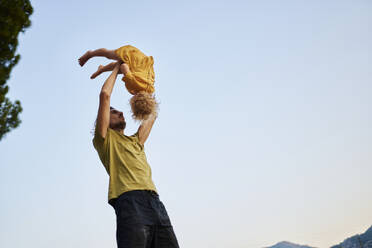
pixel 140 192
pixel 152 192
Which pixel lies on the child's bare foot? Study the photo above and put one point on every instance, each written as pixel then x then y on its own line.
pixel 99 71
pixel 84 58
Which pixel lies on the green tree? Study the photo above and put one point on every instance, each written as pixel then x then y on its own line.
pixel 14 18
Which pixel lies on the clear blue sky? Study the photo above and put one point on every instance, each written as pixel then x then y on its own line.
pixel 264 131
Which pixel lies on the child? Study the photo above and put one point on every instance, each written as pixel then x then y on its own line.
pixel 139 76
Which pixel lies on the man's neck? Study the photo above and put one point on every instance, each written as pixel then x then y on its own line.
pixel 119 130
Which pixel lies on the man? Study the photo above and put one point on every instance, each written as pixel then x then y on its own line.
pixel 141 218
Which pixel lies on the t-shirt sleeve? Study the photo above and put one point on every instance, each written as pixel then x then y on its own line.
pixel 102 146
pixel 135 137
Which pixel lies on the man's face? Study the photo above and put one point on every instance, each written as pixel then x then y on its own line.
pixel 117 120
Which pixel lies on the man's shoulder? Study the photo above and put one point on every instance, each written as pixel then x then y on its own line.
pixel 99 140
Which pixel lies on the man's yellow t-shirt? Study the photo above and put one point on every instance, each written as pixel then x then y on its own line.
pixel 125 161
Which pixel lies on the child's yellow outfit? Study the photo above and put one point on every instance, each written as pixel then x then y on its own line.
pixel 142 75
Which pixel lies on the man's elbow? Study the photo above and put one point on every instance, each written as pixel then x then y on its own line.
pixel 104 95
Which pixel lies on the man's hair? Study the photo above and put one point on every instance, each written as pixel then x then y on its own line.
pixel 93 130
pixel 95 124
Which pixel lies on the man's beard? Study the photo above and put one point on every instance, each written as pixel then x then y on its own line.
pixel 119 125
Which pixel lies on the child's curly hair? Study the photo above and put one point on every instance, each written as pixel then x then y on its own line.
pixel 143 105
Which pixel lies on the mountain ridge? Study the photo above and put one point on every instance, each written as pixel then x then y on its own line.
pixel 363 240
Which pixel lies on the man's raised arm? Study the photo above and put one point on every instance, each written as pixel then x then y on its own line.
pixel 145 128
pixel 103 117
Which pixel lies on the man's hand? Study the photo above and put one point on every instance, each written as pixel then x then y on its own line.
pixel 110 81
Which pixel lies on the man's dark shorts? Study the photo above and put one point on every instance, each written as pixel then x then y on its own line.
pixel 142 221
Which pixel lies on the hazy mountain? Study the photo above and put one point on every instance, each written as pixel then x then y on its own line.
pixel 357 241
pixel 286 244
pixel 363 240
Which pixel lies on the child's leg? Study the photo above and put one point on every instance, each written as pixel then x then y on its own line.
pixel 101 69
pixel 102 52
pixel 124 68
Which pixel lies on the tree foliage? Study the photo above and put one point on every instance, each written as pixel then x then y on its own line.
pixel 14 18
